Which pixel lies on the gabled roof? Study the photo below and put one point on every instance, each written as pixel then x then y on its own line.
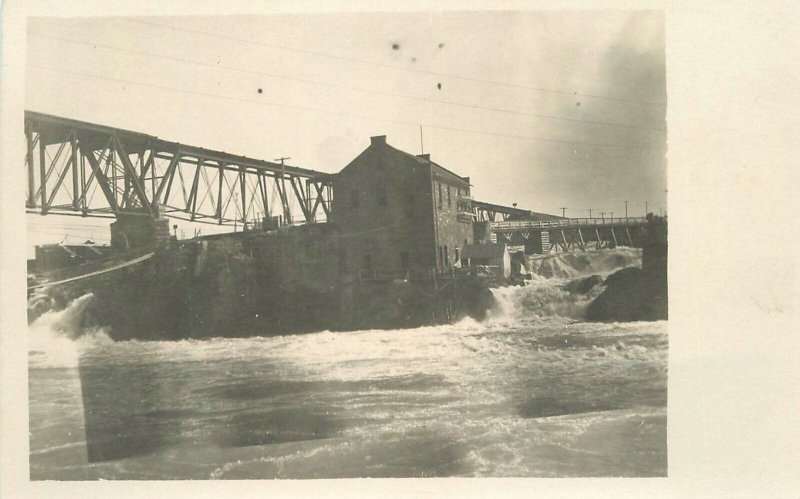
pixel 408 158
pixel 426 161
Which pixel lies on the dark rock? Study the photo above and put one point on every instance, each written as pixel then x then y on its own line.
pixel 630 295
pixel 583 286
pixel 635 294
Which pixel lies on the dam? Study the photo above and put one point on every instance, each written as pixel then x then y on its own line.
pixel 391 240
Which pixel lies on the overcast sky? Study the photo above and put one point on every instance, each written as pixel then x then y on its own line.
pixel 545 109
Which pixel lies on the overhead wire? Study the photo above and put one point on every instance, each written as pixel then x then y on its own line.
pixel 391 66
pixel 341 113
pixel 346 87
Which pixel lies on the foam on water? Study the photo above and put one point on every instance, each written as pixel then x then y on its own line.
pixel 583 263
pixel 56 338
pixel 547 296
pixel 529 392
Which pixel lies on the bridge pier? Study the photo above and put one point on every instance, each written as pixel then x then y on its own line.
pixel 535 244
pixel 138 229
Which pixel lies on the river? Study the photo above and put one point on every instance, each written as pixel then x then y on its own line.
pixel 530 392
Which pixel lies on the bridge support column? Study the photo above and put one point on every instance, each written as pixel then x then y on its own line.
pixel 534 245
pixel 137 229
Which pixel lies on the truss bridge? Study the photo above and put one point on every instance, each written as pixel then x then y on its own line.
pixel 85 169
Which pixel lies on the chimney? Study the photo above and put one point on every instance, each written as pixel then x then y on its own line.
pixel 426 157
pixel 378 140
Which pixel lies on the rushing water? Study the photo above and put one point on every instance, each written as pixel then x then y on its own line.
pixel 532 391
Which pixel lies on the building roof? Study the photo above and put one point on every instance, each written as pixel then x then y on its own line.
pixel 425 159
pixel 409 159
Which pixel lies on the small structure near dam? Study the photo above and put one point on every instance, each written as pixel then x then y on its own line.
pixel 391 240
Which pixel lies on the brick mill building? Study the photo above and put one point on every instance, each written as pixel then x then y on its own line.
pixel 397 212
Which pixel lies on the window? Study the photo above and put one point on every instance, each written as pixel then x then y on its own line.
pixel 457 255
pixel 449 204
pixel 439 185
pixel 446 257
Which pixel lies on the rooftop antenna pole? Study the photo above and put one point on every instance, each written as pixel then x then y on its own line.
pixel 421 143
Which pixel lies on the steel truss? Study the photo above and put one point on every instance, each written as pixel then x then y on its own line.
pixel 80 168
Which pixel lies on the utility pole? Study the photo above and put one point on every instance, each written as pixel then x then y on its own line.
pixel 590 212
pixel 563 211
pixel 626 210
pixel 421 144
pixel 603 216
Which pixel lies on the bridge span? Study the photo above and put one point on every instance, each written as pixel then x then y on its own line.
pixel 80 168
pixel 566 234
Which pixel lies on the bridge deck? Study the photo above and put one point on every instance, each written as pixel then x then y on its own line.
pixel 575 223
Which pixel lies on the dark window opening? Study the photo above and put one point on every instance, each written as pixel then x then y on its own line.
pixel 439 185
pixel 449 204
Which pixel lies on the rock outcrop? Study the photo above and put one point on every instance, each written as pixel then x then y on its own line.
pixel 637 294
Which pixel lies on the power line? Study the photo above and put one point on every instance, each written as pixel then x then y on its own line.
pixel 392 66
pixel 365 117
pixel 346 87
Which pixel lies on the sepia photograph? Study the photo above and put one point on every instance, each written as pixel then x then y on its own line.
pixel 363 248
pixel 347 245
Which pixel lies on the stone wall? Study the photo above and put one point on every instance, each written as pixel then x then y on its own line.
pixel 452 233
pixel 382 206
pixel 139 229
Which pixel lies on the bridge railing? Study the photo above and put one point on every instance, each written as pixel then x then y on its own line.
pixel 569 222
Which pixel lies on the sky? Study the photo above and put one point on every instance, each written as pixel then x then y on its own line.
pixel 549 110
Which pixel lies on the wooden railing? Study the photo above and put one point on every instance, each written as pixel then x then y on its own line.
pixel 566 223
